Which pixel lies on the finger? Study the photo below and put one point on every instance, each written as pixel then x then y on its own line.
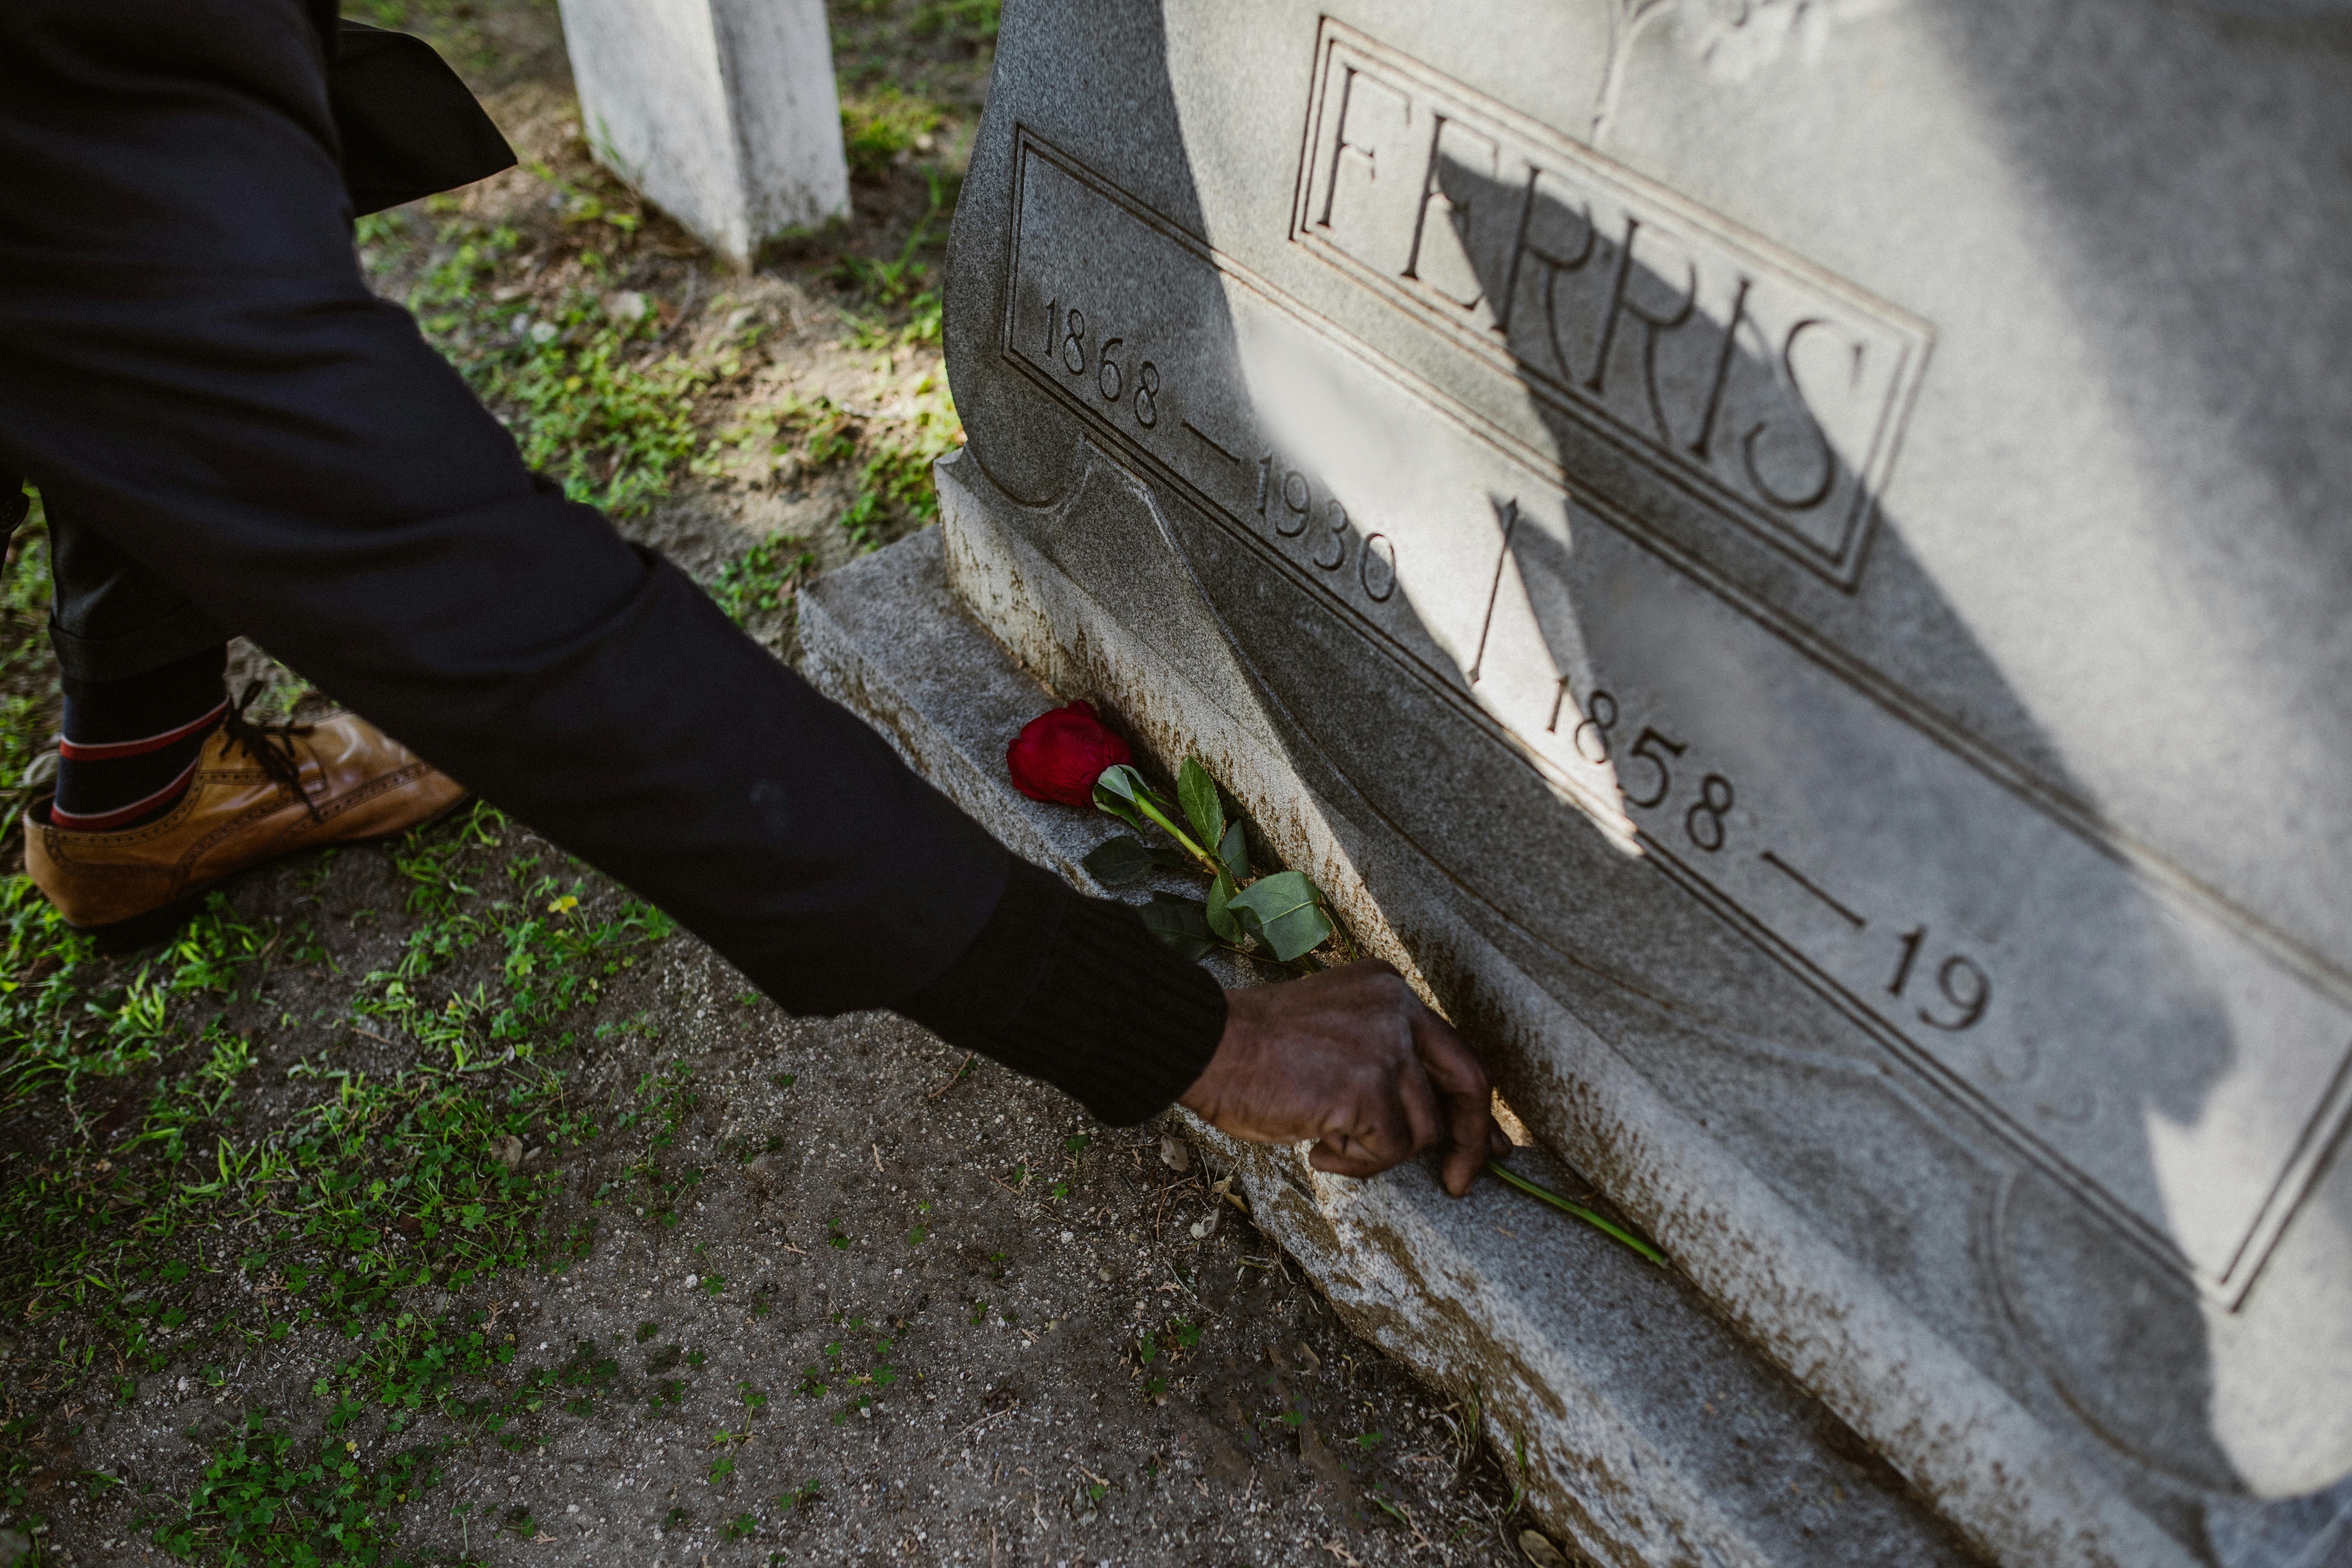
pixel 1499 1143
pixel 1325 1157
pixel 1462 1166
pixel 1469 1097
pixel 1373 1121
pixel 1417 1098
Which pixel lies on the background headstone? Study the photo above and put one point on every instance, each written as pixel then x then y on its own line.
pixel 722 112
pixel 1786 561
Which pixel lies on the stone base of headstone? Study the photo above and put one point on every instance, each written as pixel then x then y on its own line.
pixel 1651 1432
pixel 723 113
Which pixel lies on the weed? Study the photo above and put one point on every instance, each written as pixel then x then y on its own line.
pixel 265 1496
pixel 1177 1340
pixel 881 125
pixel 758 581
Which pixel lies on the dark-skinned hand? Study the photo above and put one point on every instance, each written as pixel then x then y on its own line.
pixel 1351 1059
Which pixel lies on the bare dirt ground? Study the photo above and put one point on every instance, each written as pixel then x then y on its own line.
pixel 435 1202
pixel 808 1292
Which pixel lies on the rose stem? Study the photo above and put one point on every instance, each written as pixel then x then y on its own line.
pixel 1585 1214
pixel 1145 805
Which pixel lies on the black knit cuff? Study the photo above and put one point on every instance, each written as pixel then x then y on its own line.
pixel 1074 991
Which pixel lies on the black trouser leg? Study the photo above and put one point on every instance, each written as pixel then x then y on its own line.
pixel 141 665
pixel 111 619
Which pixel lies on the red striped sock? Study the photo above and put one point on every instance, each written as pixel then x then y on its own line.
pixel 130 746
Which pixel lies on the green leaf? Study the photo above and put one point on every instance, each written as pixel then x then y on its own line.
pixel 1289 909
pixel 1116 862
pixel 1220 918
pixel 1182 922
pixel 1197 792
pixel 1233 854
pixel 1117 791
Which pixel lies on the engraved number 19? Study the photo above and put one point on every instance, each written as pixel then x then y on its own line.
pixel 1967 989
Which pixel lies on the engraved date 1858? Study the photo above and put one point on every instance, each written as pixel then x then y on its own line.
pixel 1647 779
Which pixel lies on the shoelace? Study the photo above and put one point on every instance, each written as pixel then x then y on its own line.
pixel 271 745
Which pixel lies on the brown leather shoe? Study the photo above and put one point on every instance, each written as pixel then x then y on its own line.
pixel 259 792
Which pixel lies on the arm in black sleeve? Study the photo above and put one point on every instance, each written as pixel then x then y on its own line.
pixel 1076 992
pixel 189 358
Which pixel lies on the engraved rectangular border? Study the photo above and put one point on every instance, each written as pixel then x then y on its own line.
pixel 2329 1119
pixel 1841 567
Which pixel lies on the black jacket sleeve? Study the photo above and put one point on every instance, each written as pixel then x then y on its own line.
pixel 1076 992
pixel 407 126
pixel 191 360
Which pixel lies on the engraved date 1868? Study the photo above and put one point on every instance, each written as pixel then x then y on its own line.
pixel 1117 378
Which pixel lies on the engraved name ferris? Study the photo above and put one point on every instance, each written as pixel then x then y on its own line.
pixel 1769 386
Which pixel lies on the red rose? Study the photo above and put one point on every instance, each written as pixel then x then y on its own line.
pixel 1058 755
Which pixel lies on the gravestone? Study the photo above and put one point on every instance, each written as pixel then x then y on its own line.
pixel 1785 561
pixel 723 113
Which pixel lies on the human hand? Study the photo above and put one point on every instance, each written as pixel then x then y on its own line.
pixel 1350 1059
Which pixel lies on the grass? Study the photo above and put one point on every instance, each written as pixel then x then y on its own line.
pixel 583 376
pixel 622 392
pixel 175 1186
pixel 30 694
pixel 267 1497
pixel 453 26
pixel 886 125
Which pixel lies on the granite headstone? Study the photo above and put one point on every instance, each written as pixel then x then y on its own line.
pixel 1787 558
